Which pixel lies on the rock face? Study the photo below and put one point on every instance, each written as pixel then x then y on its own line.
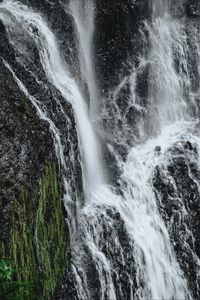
pixel 26 142
pixel 25 145
pixel 57 15
pixel 121 41
pixel 177 190
pixel 193 8
pixel 103 230
pixel 118 38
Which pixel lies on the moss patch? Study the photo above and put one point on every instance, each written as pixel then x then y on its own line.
pixel 39 237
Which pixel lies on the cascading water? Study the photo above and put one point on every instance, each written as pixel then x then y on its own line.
pixel 158 273
pixel 167 103
pixel 83 15
pixel 123 247
pixel 159 8
pixel 56 71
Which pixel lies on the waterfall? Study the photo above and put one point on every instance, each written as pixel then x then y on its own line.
pixel 166 88
pixel 83 15
pixel 57 72
pixel 159 275
pixel 153 252
pixel 123 247
pixel 159 8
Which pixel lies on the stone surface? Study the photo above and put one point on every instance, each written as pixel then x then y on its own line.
pixel 105 228
pixel 193 8
pixel 177 191
pixel 25 145
pixel 120 39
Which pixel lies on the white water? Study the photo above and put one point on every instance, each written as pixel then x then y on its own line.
pixel 159 8
pixel 82 12
pixel 14 13
pixel 157 266
pixel 166 88
pixel 159 275
pixel 153 252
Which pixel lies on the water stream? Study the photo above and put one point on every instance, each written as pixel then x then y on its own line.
pixel 121 233
pixel 57 72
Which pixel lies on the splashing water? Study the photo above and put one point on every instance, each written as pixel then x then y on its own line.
pixel 131 211
pixel 83 15
pixel 57 72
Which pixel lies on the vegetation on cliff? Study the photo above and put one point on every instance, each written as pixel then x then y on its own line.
pixel 36 254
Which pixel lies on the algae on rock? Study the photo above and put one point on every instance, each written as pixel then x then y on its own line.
pixel 39 237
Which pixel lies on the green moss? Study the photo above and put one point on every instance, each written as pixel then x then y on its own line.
pixel 2 250
pixel 39 239
pixel 50 231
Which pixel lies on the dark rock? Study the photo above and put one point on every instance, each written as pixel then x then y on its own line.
pixel 157 149
pixel 178 8
pixel 118 38
pixel 62 25
pixel 179 203
pixel 105 227
pixel 26 142
pixel 193 8
pixel 25 145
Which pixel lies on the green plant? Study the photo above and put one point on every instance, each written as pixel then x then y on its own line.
pixel 10 289
pixel 50 230
pixel 6 270
pixel 38 242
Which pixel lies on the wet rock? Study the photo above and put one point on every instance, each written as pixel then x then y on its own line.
pixel 178 8
pixel 177 191
pixel 118 38
pixel 157 149
pixel 25 145
pixel 193 8
pixel 142 82
pixel 46 93
pixel 108 233
pixel 25 141
pixel 60 21
pixel 67 289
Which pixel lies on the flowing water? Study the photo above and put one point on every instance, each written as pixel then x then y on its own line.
pixel 56 71
pixel 83 15
pixel 123 249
